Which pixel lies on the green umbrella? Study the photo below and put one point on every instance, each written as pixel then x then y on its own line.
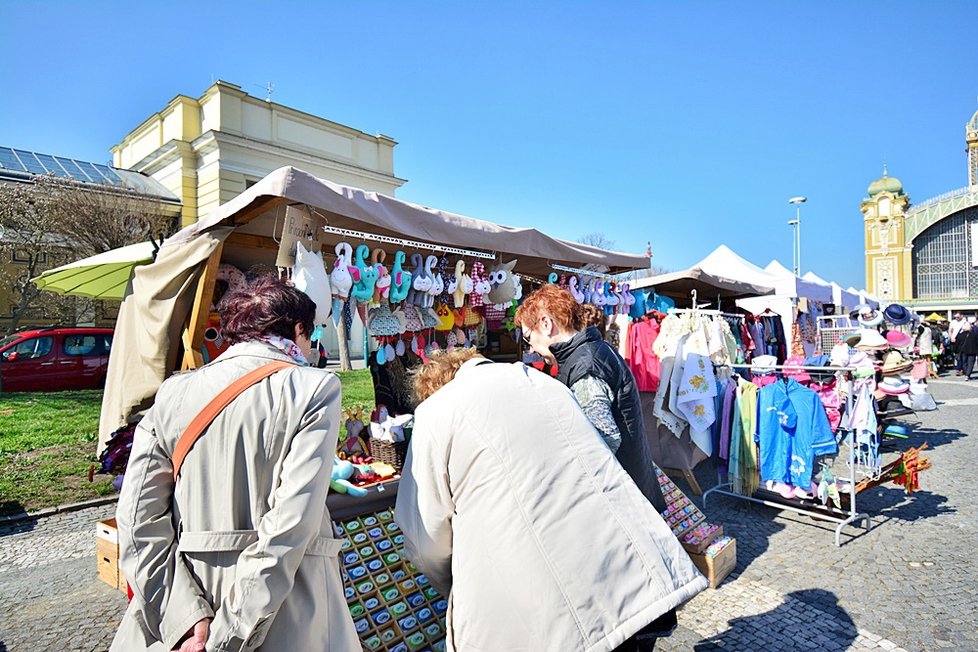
pixel 102 276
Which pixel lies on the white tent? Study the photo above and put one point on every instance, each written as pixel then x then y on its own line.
pixel 844 299
pixel 795 286
pixel 865 297
pixel 723 262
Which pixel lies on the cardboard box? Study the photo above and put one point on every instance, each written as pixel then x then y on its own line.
pixel 107 554
pixel 717 567
pixel 697 548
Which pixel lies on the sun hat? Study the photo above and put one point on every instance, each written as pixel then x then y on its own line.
pixel 869 318
pixel 763 365
pixel 894 386
pixel 897 314
pixel 867 339
pixel 792 369
pixel 894 364
pixel 898 339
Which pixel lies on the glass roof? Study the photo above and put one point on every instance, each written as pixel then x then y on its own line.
pixel 32 163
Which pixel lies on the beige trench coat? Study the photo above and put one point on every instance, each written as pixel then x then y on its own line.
pixel 244 536
pixel 514 507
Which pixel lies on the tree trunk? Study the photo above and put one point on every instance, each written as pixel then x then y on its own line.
pixel 344 345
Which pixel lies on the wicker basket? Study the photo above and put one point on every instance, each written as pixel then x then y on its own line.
pixel 393 454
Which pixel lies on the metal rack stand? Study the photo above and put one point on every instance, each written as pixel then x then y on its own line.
pixel 834 515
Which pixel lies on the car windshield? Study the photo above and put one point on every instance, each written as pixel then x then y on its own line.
pixel 7 340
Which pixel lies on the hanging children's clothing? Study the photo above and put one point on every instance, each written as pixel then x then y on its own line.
pixel 642 361
pixel 743 451
pixel 792 429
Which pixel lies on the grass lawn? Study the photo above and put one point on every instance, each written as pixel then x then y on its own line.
pixel 48 440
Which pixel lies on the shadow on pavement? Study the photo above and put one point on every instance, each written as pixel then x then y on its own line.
pixel 14 510
pixel 790 625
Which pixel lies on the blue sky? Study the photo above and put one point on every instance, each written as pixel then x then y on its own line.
pixel 687 124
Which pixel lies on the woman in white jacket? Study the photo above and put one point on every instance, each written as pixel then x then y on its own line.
pixel 515 509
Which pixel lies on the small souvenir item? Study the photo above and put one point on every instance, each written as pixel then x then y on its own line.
pixel 309 276
pixel 463 284
pixel 578 294
pixel 446 320
pixel 628 299
pixel 552 278
pixel 502 289
pixel 400 279
pixel 363 289
pixel 422 281
pixel 480 285
pixel 341 280
pixel 437 282
pixel 382 288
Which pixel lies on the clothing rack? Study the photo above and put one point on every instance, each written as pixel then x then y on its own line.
pixel 834 515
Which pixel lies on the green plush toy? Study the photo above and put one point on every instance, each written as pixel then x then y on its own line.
pixel 340 482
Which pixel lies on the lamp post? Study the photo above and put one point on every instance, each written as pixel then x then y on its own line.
pixel 796 223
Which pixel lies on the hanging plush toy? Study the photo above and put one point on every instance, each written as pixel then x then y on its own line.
pixel 480 285
pixel 309 276
pixel 627 299
pixel 552 278
pixel 363 289
pixel 446 320
pixel 448 282
pixel 341 280
pixel 517 288
pixel 400 279
pixel 382 288
pixel 422 282
pixel 500 278
pixel 464 284
pixel 577 294
pixel 437 282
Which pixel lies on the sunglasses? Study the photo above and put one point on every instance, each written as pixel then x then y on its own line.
pixel 525 332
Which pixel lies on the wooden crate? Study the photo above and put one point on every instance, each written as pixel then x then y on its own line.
pixel 717 568
pixel 107 554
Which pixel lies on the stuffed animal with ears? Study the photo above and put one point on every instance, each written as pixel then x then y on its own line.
pixel 400 279
pixel 437 281
pixel 627 299
pixel 449 282
pixel 340 479
pixel 363 289
pixel 464 284
pixel 587 287
pixel 517 288
pixel 552 278
pixel 382 288
pixel 421 283
pixel 612 299
pixel 480 285
pixel 341 279
pixel 309 276
pixel 577 293
pixel 503 291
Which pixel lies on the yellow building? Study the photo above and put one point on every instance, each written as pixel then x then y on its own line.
pixel 924 256
pixel 208 150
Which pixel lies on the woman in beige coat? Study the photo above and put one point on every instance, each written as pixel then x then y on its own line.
pixel 514 508
pixel 238 553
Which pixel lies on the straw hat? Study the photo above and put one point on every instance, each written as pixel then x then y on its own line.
pixel 894 364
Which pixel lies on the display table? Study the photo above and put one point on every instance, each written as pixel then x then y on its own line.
pixel 393 605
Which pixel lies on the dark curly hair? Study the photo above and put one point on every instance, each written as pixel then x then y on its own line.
pixel 266 306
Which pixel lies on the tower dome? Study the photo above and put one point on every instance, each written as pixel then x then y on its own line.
pixel 885 184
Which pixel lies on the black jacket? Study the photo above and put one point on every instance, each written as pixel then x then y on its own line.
pixel 586 354
pixel 969 344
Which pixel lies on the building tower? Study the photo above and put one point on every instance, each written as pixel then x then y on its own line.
pixel 888 274
pixel 971 137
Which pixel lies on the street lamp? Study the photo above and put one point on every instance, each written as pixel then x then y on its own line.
pixel 796 223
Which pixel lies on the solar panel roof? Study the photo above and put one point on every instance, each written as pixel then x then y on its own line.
pixel 25 162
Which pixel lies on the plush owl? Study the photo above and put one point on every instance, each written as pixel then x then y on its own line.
pixel 503 291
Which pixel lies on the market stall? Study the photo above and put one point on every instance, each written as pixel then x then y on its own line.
pixel 167 323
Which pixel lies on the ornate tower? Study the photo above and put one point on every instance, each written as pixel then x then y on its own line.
pixel 888 274
pixel 971 137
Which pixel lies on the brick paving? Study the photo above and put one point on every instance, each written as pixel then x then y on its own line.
pixel 908 584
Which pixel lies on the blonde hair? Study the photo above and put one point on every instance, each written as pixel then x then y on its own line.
pixel 440 370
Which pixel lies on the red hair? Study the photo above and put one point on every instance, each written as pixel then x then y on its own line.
pixel 556 302
pixel 267 306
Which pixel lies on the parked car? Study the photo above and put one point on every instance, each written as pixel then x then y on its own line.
pixel 54 359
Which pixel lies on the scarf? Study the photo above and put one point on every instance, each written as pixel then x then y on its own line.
pixel 286 346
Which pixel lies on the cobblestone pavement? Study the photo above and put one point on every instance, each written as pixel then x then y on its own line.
pixel 907 584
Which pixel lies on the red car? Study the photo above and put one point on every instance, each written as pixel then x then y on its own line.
pixel 54 359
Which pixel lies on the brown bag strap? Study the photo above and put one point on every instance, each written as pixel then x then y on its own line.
pixel 197 427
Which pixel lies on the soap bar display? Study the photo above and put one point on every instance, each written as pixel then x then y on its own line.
pixel 394 607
